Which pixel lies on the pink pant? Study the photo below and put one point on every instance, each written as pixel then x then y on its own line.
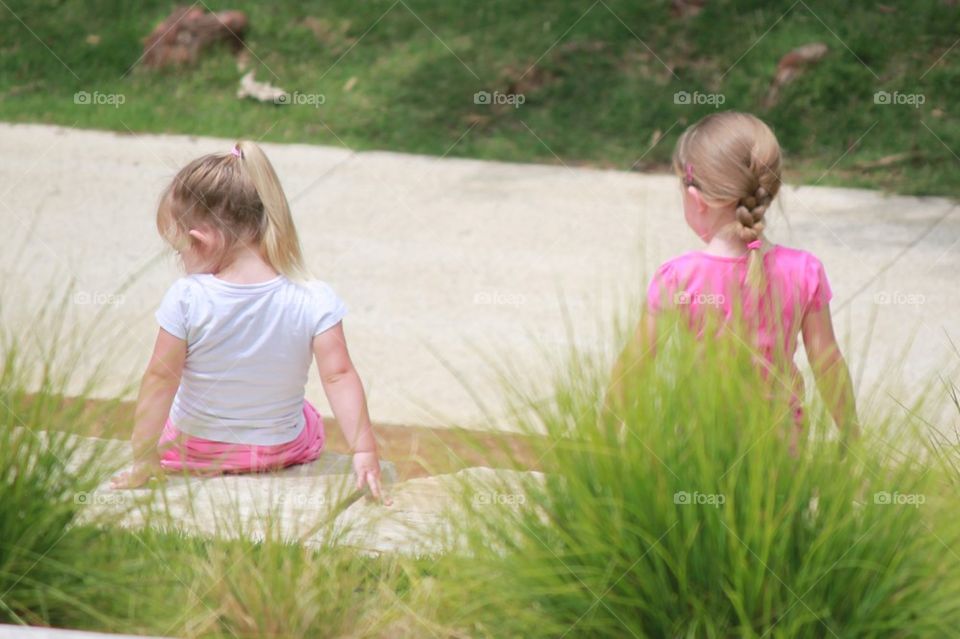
pixel 196 454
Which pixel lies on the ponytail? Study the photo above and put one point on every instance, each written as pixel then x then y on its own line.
pixel 278 235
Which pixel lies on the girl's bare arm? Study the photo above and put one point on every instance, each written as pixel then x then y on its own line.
pixel 344 390
pixel 830 369
pixel 157 389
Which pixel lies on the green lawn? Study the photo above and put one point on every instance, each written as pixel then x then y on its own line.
pixel 597 78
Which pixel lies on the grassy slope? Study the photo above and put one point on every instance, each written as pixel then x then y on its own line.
pixel 597 97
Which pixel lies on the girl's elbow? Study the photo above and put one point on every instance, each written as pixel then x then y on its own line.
pixel 162 376
pixel 338 375
pixel 827 359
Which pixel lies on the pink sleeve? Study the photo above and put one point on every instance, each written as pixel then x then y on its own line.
pixel 820 292
pixel 659 293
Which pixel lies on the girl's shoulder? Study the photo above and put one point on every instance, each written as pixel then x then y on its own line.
pixel 792 253
pixel 805 273
pixel 184 287
pixel 198 287
pixel 794 259
pixel 788 261
pixel 679 263
pixel 316 290
pixel 667 278
pixel 327 309
pixel 318 294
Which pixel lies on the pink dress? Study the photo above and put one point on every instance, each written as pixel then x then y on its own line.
pixel 182 452
pixel 703 285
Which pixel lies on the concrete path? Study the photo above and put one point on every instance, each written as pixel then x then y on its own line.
pixel 449 263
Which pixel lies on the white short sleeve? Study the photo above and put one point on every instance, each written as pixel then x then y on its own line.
pixel 173 311
pixel 329 309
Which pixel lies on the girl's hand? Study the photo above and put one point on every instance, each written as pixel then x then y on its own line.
pixel 367 467
pixel 138 475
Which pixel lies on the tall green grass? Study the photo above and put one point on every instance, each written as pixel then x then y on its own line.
pixel 53 571
pixel 66 561
pixel 679 512
pixel 682 512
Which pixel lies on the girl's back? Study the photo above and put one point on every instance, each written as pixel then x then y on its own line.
pixel 704 286
pixel 248 354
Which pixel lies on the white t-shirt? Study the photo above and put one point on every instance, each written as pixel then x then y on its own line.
pixel 249 349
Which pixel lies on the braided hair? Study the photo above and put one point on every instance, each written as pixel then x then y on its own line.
pixel 734 160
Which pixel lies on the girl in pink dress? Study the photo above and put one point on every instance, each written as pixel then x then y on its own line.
pixel 730 167
pixel 224 389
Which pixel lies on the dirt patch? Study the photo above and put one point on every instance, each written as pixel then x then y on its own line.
pixel 417 451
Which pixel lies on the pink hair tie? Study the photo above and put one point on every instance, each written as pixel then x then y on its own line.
pixel 754 245
pixel 236 151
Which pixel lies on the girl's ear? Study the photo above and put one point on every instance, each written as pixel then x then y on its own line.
pixel 205 236
pixel 697 198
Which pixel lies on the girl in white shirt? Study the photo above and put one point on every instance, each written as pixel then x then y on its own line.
pixel 224 389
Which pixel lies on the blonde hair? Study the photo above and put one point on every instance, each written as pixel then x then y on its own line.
pixel 239 194
pixel 734 159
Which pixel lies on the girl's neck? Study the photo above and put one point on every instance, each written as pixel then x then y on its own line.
pixel 727 243
pixel 247 266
